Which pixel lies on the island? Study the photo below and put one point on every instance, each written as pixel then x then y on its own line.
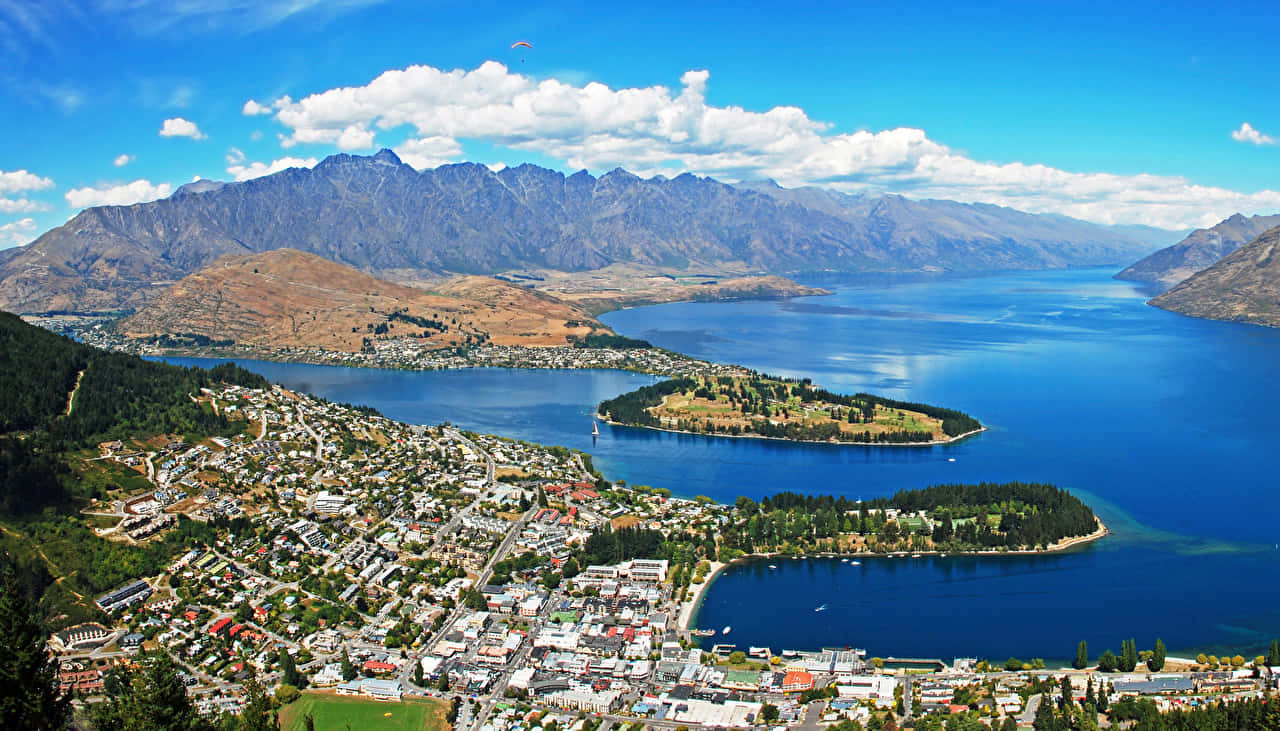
pixel 749 404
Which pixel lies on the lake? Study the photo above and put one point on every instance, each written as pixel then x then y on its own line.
pixel 1165 424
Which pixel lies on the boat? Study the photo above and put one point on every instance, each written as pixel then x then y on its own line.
pixel 726 629
pixel 951 459
pixel 595 429
pixel 855 563
pixel 773 567
pixel 822 608
pixel 703 633
pixel 915 555
pixel 844 560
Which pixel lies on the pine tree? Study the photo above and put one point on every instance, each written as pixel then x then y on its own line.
pixel 418 680
pixel 1067 692
pixel 29 695
pixel 1045 719
pixel 1273 656
pixel 1082 656
pixel 289 674
pixel 348 669
pixel 1156 662
pixel 148 697
pixel 257 714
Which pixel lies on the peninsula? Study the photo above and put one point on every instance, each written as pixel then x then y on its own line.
pixel 772 407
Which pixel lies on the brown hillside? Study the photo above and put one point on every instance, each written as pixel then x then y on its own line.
pixel 291 298
pixel 1243 286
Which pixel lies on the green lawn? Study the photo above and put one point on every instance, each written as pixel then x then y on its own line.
pixel 336 712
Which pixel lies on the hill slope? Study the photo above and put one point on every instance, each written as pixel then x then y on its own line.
pixel 1198 250
pixel 291 298
pixel 383 217
pixel 1244 286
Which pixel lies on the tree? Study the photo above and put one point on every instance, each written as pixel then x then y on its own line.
pixel 443 684
pixel 256 714
pixel 1108 662
pixel 1067 692
pixel 289 674
pixel 148 697
pixel 29 695
pixel 348 669
pixel 737 657
pixel 309 722
pixel 1045 720
pixel 287 694
pixel 1156 662
pixel 769 712
pixel 1009 724
pixel 1082 656
pixel 1273 655
pixel 418 679
pixel 1128 655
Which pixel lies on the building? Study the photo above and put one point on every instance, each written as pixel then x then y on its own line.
pixel 797 681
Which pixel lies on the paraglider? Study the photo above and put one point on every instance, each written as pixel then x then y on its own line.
pixel 521 44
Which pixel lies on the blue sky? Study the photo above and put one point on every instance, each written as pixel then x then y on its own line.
pixel 1150 113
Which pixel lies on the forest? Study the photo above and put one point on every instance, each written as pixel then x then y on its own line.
pixel 1012 515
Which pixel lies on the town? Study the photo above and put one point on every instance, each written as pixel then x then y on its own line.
pixel 336 549
pixel 406 353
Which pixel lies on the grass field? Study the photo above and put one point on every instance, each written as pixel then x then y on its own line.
pixel 338 712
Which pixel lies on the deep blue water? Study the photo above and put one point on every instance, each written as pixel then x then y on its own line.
pixel 1165 424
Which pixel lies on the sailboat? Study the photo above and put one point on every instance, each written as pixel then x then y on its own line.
pixel 595 429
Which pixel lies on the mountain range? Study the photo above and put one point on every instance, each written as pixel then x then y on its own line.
pixel 383 217
pixel 1199 250
pixel 1243 286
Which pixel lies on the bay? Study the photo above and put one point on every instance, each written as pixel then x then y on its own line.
pixel 1165 424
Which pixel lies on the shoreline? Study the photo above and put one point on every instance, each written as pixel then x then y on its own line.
pixel 689 609
pixel 934 443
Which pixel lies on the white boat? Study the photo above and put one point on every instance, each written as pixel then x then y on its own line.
pixel 855 563
pixel 595 429
pixel 844 560
pixel 773 567
pixel 726 629
pixel 822 608
pixel 951 459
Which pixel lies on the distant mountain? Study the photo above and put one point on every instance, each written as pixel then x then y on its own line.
pixel 1200 249
pixel 1243 286
pixel 291 298
pixel 381 216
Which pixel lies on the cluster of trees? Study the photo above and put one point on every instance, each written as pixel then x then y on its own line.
pixel 608 546
pixel 1030 514
pixel 611 341
pixel 190 340
pixel 770 397
pixel 426 323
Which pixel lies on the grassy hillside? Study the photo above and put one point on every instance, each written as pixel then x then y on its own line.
pixel 59 398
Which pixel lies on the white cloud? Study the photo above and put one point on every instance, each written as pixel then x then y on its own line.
pixel 429 152
pixel 17 232
pixel 252 109
pixel 122 160
pixel 21 205
pixel 1247 133
pixel 124 194
pixel 653 130
pixel 240 171
pixel 179 127
pixel 19 180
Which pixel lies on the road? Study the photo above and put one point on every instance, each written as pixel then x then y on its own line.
pixel 314 435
